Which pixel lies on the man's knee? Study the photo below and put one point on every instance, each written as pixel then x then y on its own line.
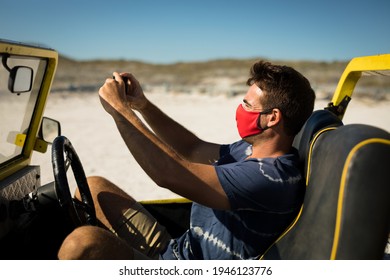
pixel 96 184
pixel 99 184
pixel 97 181
pixel 95 243
pixel 77 244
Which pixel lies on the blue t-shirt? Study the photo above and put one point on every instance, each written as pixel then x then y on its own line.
pixel 265 196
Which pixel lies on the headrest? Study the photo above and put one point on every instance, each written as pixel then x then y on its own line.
pixel 319 119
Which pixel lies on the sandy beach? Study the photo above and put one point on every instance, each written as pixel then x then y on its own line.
pixel 102 151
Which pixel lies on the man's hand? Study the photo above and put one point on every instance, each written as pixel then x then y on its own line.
pixel 112 95
pixel 135 95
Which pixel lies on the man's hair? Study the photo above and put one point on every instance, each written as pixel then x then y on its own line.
pixel 285 89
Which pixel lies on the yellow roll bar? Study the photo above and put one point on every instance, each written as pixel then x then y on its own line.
pixel 352 73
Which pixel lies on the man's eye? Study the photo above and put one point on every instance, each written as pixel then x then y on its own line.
pixel 246 105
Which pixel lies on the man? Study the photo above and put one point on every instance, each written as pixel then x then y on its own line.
pixel 245 194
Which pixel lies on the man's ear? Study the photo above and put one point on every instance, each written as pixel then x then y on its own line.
pixel 274 117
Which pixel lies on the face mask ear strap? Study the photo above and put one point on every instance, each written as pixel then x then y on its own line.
pixel 265 112
pixel 259 127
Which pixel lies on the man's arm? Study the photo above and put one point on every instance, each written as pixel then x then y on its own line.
pixel 178 137
pixel 195 181
pixel 175 135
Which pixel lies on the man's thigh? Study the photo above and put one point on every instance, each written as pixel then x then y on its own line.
pixel 142 231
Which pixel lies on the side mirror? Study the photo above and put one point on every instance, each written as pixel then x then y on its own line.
pixel 49 130
pixel 20 79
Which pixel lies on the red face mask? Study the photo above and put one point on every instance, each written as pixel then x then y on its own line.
pixel 248 123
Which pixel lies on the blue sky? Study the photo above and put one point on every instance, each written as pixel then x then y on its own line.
pixel 171 31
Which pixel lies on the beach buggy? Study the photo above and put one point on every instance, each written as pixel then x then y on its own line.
pixel 345 214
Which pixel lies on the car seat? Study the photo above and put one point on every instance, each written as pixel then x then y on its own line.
pixel 346 210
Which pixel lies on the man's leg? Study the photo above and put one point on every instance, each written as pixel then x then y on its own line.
pixel 122 215
pixel 94 243
pixel 110 201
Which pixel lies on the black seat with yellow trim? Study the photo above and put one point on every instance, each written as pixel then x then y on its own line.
pixel 346 211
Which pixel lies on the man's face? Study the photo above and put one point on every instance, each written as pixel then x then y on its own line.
pixel 249 114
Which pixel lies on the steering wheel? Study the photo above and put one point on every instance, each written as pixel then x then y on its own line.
pixel 63 155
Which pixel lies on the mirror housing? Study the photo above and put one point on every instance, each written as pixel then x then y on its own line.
pixel 20 79
pixel 49 130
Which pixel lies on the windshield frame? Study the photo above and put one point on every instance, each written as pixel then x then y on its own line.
pixel 41 90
